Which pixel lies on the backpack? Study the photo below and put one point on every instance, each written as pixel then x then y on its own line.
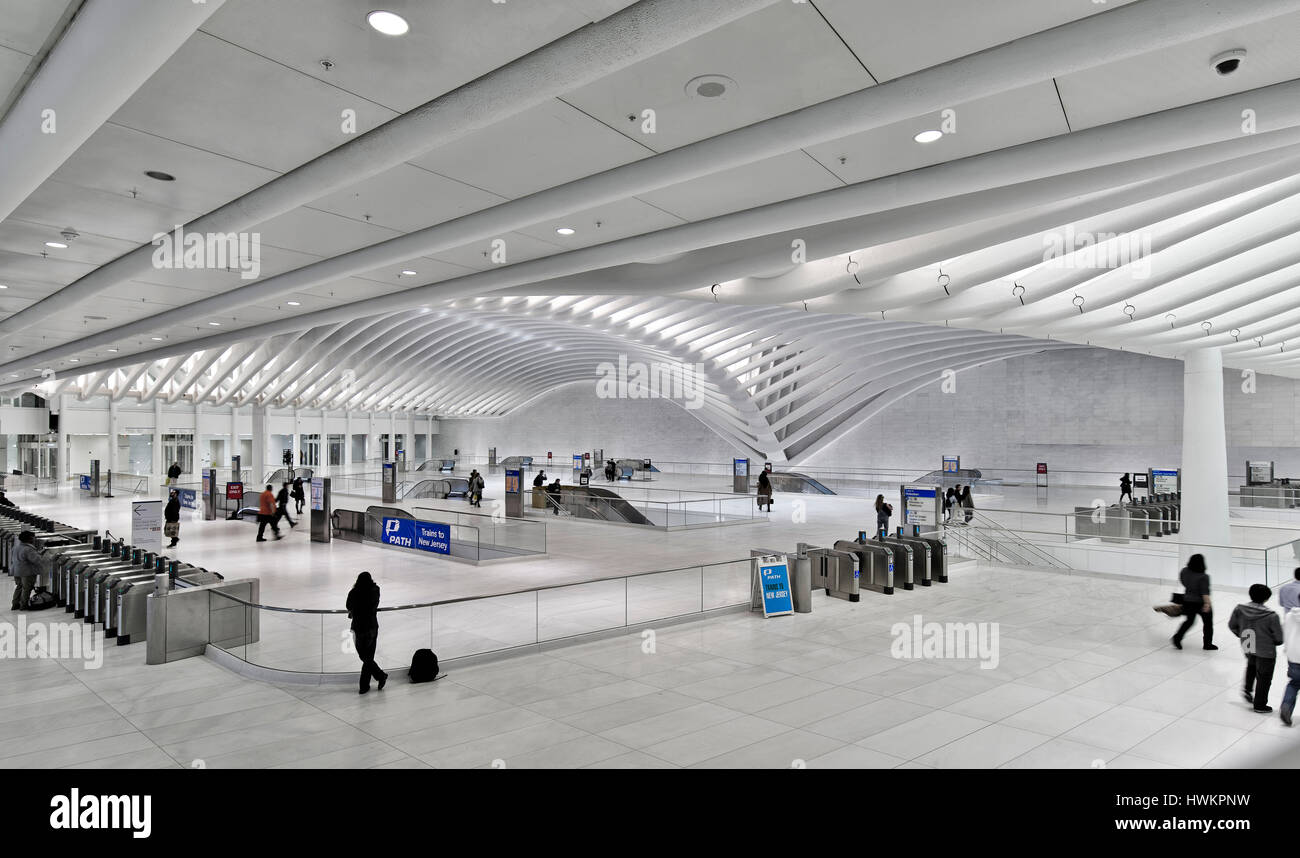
pixel 40 599
pixel 424 666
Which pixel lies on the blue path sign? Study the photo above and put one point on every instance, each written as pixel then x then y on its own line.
pixel 188 498
pixel 419 535
pixel 774 579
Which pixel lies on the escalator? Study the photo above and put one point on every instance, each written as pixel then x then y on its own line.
pixel 795 483
pixel 600 504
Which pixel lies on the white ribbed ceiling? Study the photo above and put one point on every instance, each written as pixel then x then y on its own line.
pixel 1099 185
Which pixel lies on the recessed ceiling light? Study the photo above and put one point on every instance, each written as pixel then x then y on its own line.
pixel 928 136
pixel 215 324
pixel 565 230
pixel 710 86
pixel 160 175
pixel 74 360
pixel 56 245
pixel 156 339
pixel 2 286
pixel 388 23
pixel 112 351
pixel 293 303
pixel 409 273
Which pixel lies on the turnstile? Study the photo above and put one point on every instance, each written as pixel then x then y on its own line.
pixel 836 572
pixel 875 564
pixel 904 572
pixel 919 550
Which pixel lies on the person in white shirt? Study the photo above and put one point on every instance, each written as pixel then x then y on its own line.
pixel 1291 646
pixel 1288 595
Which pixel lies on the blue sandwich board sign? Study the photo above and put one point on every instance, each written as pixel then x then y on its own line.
pixel 774 581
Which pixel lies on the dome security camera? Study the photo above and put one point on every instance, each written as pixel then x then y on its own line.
pixel 1228 62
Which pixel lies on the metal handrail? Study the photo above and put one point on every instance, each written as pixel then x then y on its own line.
pixel 463 599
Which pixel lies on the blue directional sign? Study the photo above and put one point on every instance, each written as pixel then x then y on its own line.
pixel 419 535
pixel 85 482
pixel 188 498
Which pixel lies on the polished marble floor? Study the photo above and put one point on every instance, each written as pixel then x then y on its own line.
pixel 1085 678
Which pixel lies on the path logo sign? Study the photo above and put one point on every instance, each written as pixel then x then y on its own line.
pixel 421 535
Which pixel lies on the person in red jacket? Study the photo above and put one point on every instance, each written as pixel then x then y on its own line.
pixel 266 514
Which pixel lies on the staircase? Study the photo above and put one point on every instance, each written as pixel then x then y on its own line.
pixel 986 539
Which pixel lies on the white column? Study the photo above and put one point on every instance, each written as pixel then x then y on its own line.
pixel 1205 462
pixel 295 440
pixel 347 443
pixel 156 465
pixel 65 467
pixel 259 447
pixel 323 451
pixel 232 449
pixel 428 444
pixel 111 464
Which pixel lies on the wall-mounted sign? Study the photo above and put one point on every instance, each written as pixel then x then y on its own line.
pixel 774 583
pixel 951 464
pixel 419 535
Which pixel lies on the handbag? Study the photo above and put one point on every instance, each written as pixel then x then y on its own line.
pixel 1177 598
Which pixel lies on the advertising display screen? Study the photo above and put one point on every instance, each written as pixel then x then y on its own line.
pixel 318 493
pixel 951 464
pixel 740 467
pixel 512 482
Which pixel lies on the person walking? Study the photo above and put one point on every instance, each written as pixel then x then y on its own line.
pixel 1291 638
pixel 172 518
pixel 949 501
pixel 1288 595
pixel 363 610
pixel 475 488
pixel 266 514
pixel 967 504
pixel 299 496
pixel 1125 488
pixel 1260 631
pixel 1196 602
pixel 553 496
pixel 25 565
pixel 173 473
pixel 883 512
pixel 764 491
pixel 282 505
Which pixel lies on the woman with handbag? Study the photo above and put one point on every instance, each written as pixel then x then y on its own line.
pixel 1196 602
pixel 764 491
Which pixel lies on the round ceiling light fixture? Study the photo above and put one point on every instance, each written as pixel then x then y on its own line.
pixel 711 86
pixel 388 23
pixel 928 136
pixel 1228 62
pixel 160 176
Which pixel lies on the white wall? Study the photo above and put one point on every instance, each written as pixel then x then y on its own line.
pixel 572 419
pixel 1084 410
